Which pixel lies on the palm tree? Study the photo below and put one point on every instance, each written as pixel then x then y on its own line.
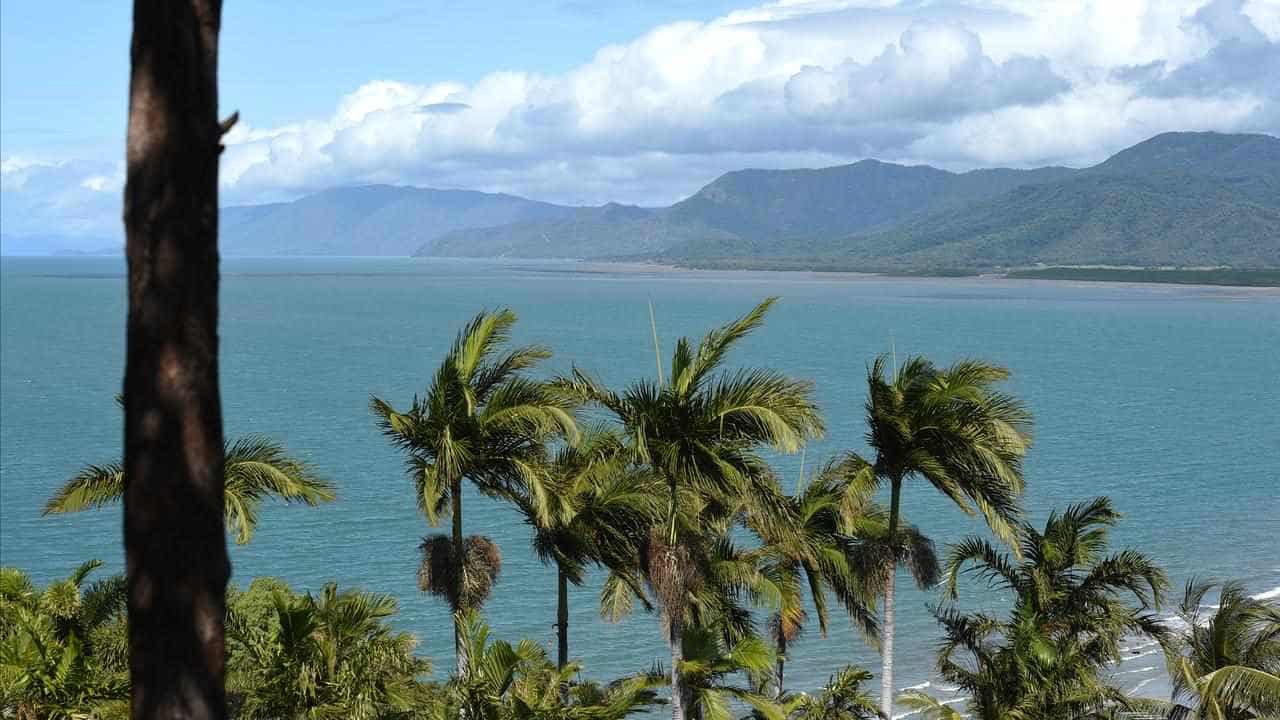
pixel 334 655
pixel 255 467
pixel 706 666
pixel 841 699
pixel 1047 658
pixel 1225 664
pixel 949 427
pixel 732 579
pixel 727 579
pixel 600 508
pixel 518 682
pixel 63 649
pixel 481 420
pixel 699 434
pixel 820 542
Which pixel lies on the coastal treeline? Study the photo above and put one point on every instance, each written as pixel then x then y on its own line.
pixel 663 487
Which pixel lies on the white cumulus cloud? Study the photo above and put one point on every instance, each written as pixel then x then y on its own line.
pixel 958 83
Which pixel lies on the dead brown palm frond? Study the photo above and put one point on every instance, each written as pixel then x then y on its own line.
pixel 787 629
pixel 481 563
pixel 673 571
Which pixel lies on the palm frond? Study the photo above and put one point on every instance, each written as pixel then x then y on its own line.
pixel 255 467
pixel 479 339
pixel 687 376
pixel 927 706
pixel 618 596
pixel 1241 686
pixel 988 563
pixel 1050 656
pixel 92 487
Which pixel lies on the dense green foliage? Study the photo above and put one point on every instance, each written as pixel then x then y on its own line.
pixel 949 427
pixel 518 682
pixel 842 698
pixel 1225 665
pixel 828 539
pixel 484 421
pixel 331 655
pixel 1047 659
pixel 672 497
pixel 699 432
pixel 599 511
pixel 64 648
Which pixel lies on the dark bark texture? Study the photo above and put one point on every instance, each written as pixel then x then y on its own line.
pixel 562 618
pixel 175 542
pixel 459 568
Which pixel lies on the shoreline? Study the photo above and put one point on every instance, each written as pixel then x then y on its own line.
pixel 605 267
pixel 1059 276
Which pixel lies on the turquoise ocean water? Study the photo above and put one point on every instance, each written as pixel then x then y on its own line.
pixel 1165 398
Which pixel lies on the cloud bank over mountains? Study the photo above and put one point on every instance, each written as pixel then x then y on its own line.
pixel 954 84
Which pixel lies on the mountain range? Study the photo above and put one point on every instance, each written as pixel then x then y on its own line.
pixel 1180 199
pixel 1177 199
pixel 368 220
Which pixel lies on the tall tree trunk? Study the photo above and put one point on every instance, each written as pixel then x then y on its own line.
pixel 675 637
pixel 886 641
pixel 890 589
pixel 174 537
pixel 675 615
pixel 562 618
pixel 562 627
pixel 459 567
pixel 782 656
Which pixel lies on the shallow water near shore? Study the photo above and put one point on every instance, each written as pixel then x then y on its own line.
pixel 1163 397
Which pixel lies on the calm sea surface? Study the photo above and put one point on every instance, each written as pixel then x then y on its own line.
pixel 1165 398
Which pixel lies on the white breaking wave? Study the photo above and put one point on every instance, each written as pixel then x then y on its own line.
pixel 1139 646
pixel 953 701
pixel 1177 624
pixel 1268 595
pixel 1141 685
pixel 921 686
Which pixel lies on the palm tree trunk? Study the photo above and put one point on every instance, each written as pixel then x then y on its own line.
pixel 175 541
pixel 459 568
pixel 886 649
pixel 782 656
pixel 562 618
pixel 675 637
pixel 890 589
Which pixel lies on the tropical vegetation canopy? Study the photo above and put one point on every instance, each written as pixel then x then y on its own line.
pixel 1225 664
pixel 1072 606
pixel 666 488
pixel 482 419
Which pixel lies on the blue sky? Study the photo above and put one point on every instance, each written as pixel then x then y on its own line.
pixel 642 102
pixel 65 64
